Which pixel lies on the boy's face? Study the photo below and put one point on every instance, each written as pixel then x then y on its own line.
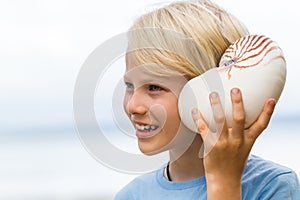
pixel 151 104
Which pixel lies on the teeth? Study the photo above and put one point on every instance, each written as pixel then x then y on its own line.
pixel 145 127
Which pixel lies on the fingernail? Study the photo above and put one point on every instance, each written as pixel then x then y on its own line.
pixel 235 91
pixel 194 111
pixel 272 102
pixel 213 95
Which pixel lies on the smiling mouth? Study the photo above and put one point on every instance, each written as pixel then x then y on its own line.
pixel 145 128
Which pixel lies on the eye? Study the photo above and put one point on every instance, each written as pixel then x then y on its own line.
pixel 155 88
pixel 129 86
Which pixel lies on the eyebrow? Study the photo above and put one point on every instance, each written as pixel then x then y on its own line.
pixel 144 80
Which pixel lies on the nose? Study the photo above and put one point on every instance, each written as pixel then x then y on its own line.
pixel 136 103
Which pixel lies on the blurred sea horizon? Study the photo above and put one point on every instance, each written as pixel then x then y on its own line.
pixel 10 130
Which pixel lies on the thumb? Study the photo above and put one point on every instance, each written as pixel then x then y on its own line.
pixel 200 123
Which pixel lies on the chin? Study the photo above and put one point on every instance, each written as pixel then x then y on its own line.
pixel 150 149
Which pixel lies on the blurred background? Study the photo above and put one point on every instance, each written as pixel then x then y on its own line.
pixel 43 44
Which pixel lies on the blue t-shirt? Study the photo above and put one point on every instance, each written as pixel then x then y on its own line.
pixel 261 180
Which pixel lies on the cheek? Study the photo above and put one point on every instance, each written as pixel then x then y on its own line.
pixel 173 118
pixel 125 103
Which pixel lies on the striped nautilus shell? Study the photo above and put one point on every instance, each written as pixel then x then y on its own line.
pixel 255 64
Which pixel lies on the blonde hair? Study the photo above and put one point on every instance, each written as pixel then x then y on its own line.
pixel 188 36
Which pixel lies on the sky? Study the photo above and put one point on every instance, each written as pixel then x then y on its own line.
pixel 44 43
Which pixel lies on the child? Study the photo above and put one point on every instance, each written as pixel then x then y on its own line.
pixel 161 58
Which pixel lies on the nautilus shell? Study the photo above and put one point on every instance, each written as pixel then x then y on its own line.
pixel 255 64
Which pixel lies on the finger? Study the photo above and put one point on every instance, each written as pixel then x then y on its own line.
pixel 200 123
pixel 238 113
pixel 218 113
pixel 263 120
pixel 209 139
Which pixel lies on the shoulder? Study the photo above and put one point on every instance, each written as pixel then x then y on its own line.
pixel 265 169
pixel 267 179
pixel 132 190
pixel 257 165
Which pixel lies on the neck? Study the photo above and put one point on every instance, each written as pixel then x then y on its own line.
pixel 188 166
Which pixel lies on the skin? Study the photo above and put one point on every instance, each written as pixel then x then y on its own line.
pixel 150 100
pixel 224 160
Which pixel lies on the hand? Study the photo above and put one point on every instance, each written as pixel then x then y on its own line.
pixel 226 150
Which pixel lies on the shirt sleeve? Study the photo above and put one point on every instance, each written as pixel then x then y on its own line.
pixel 128 192
pixel 283 186
pixel 124 195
